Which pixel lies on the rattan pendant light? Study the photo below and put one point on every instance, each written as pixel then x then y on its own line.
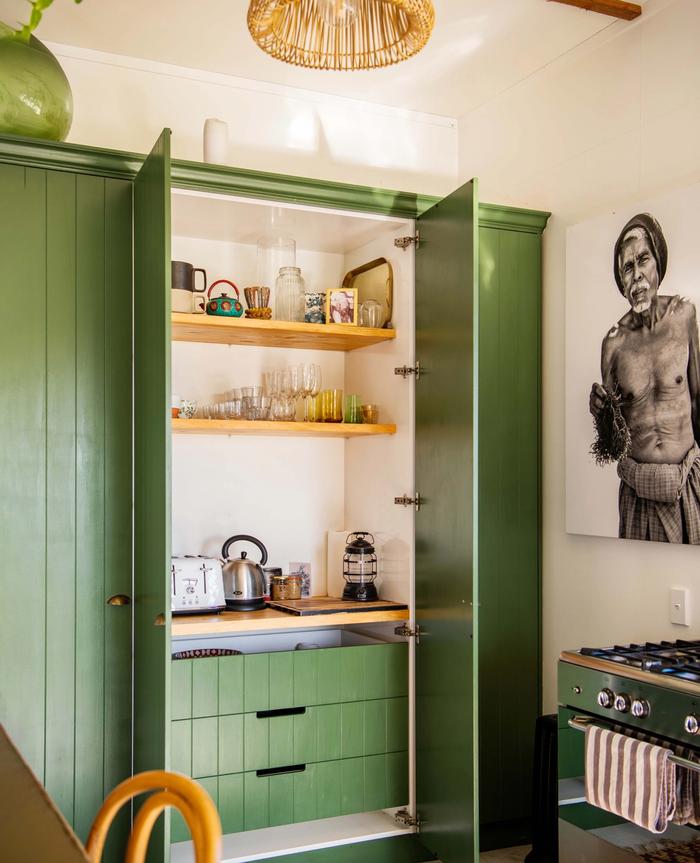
pixel 341 34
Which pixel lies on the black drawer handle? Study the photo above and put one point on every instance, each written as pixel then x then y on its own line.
pixel 283 711
pixel 276 771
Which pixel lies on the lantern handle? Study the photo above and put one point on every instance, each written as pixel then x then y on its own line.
pixel 359 533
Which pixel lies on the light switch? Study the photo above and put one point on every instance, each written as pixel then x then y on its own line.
pixel 679 606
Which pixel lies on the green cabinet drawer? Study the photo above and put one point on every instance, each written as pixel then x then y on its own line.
pixel 324 790
pixel 249 801
pixel 210 746
pixel 217 686
pixel 325 733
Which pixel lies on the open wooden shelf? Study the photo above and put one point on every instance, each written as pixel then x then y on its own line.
pixel 275 334
pixel 270 619
pixel 281 429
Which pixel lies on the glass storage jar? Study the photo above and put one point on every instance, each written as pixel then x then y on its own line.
pixel 289 295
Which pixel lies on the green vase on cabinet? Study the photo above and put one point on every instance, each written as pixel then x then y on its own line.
pixel 35 97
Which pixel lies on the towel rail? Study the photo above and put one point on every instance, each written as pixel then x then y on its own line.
pixel 581 723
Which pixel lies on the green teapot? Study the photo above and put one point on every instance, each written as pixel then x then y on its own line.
pixel 223 305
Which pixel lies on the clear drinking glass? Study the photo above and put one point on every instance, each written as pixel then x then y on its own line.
pixel 371 314
pixel 271 382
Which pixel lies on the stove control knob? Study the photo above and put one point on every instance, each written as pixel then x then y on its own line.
pixel 691 724
pixel 606 698
pixel 640 708
pixel 622 703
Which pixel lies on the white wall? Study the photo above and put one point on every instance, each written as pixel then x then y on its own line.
pixel 615 121
pixel 124 103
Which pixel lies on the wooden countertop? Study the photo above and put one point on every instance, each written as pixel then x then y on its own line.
pixel 270 619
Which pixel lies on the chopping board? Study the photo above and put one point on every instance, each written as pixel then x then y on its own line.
pixel 322 605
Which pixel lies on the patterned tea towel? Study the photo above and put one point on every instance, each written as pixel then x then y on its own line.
pixel 630 778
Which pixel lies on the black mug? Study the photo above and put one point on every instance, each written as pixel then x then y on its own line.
pixel 182 277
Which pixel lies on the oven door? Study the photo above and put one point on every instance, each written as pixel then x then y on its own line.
pixel 588 834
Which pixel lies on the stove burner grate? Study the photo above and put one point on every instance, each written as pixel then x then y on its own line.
pixel 679 658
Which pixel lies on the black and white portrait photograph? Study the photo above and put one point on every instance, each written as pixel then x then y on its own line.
pixel 633 372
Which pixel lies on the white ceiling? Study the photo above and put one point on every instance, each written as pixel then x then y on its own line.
pixel 478 49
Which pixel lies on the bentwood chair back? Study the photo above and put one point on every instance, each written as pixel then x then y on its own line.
pixel 169 789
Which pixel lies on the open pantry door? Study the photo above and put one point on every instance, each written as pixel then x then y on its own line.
pixel 446 711
pixel 152 467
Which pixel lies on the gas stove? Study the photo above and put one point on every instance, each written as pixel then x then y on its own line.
pixel 652 687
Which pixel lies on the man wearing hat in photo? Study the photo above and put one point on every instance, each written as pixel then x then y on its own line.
pixel 647 410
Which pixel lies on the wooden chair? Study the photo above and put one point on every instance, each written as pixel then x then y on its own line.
pixel 170 789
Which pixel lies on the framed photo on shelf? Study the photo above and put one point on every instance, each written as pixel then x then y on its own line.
pixel 341 306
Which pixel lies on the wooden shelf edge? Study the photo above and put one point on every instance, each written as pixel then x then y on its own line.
pixel 271 620
pixel 281 429
pixel 285 334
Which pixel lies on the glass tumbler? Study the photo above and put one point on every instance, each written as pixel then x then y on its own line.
pixel 353 409
pixel 371 314
pixel 332 406
pixel 370 414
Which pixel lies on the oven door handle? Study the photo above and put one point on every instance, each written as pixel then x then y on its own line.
pixel 581 723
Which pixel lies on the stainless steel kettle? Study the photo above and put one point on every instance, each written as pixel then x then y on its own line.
pixel 244 580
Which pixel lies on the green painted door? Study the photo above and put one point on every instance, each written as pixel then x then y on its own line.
pixel 509 481
pixel 446 291
pixel 65 483
pixel 152 467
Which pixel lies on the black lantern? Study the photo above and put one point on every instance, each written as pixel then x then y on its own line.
pixel 360 568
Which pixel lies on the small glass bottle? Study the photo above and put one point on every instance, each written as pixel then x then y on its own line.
pixel 289 295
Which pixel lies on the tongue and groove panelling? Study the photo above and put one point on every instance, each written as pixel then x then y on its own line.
pixel 65 486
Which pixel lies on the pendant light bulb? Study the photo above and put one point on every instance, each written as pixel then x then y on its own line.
pixel 338 13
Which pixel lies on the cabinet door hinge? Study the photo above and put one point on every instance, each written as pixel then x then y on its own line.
pixel 405 242
pixel 407 631
pixel 405 500
pixel 405 371
pixel 405 819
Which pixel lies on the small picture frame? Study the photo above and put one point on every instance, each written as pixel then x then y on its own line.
pixel 341 306
pixel 304 570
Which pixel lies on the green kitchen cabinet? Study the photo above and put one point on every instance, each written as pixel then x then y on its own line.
pixel 72 445
pixel 65 482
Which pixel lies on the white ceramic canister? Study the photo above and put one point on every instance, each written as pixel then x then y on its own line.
pixel 215 141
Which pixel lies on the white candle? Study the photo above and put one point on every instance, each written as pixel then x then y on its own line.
pixel 215 141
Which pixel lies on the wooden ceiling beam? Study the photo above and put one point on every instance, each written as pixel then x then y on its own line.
pixel 616 8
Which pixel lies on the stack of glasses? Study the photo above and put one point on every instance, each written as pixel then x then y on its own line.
pixel 285 386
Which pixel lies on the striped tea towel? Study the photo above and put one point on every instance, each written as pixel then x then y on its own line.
pixel 687 792
pixel 630 778
pixel 687 781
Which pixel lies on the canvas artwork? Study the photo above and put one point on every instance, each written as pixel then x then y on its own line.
pixel 633 372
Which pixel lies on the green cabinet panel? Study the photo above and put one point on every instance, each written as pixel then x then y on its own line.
pixel 231 803
pixel 325 790
pixel 230 685
pixel 65 482
pixel 151 473
pixel 329 732
pixel 181 746
pixel 205 747
pixel 509 495
pixel 205 686
pixel 230 744
pixel 216 686
pixel 328 738
pixel 181 690
pixel 446 591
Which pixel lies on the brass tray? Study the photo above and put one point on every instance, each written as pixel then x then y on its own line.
pixel 374 281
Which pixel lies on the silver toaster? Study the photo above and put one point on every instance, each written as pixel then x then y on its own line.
pixel 197 585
